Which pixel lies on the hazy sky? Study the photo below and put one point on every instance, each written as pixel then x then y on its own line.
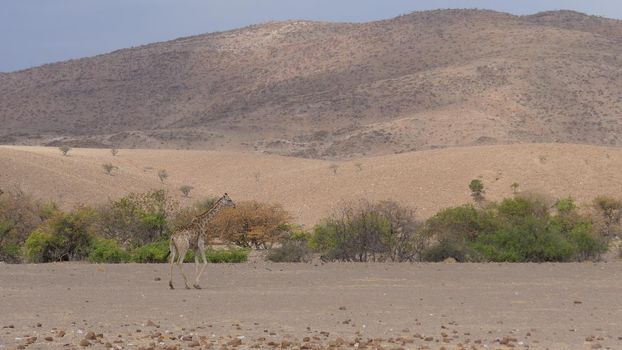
pixel 34 32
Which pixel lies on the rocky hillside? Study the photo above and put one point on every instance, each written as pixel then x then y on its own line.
pixel 336 90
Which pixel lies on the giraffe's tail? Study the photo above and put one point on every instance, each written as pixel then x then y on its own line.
pixel 171 246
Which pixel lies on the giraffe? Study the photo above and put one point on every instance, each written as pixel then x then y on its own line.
pixel 192 236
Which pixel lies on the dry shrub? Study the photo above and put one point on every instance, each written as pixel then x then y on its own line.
pixel 19 215
pixel 251 224
pixel 369 231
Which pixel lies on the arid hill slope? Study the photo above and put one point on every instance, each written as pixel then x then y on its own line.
pixel 336 90
pixel 427 180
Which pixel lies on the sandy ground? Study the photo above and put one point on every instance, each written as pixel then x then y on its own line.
pixel 264 305
pixel 308 189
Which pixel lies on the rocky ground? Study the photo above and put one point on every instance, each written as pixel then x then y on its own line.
pixel 313 306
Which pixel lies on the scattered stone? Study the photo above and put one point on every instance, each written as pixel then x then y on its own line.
pixel 342 308
pixel 578 302
pixel 39 325
pixel 85 343
pixel 49 338
pixel 90 336
pixel 235 342
pixel 194 344
pixel 157 279
pixel 60 334
pixel 151 324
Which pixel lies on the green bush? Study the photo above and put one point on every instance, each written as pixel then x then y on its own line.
pixel 36 245
pixel 19 216
pixel 449 249
pixel 138 218
pixel 529 240
pixel 107 251
pixel 293 249
pixel 236 255
pixel 517 229
pixel 63 237
pixel 156 252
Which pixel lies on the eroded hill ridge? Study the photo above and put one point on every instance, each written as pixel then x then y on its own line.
pixel 336 90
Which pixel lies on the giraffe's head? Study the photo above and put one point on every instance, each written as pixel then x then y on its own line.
pixel 226 201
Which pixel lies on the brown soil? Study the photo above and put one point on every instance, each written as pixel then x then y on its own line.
pixel 540 306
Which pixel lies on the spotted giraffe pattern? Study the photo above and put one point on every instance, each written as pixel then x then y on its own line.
pixel 193 236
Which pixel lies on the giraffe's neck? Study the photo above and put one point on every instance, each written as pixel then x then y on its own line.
pixel 205 217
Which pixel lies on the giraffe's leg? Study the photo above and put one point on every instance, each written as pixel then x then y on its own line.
pixel 202 251
pixel 180 264
pixel 173 251
pixel 196 262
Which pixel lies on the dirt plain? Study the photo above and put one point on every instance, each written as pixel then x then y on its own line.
pixel 427 180
pixel 312 306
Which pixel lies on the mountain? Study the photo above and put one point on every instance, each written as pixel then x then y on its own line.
pixel 336 90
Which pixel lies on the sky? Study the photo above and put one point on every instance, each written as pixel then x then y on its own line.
pixel 35 32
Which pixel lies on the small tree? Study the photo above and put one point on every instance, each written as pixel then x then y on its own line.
pixel 334 167
pixel 477 191
pixel 257 176
pixel 114 151
pixel 185 189
pixel 64 149
pixel 251 224
pixel 162 175
pixel 515 188
pixel 610 209
pixel 108 168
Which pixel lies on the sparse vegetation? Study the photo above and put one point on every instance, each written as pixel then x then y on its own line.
pixel 515 187
pixel 334 167
pixel 64 150
pixel 162 175
pixel 358 166
pixel 114 151
pixel 108 168
pixel 477 191
pixel 525 227
pixel 185 190
pixel 610 210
